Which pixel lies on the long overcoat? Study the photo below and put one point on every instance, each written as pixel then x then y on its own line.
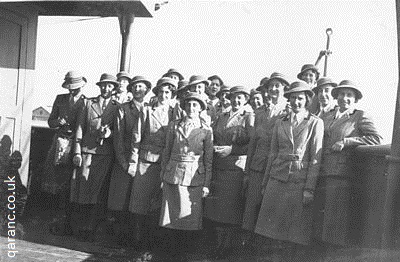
pixel 56 178
pixel 227 202
pixel 336 183
pixel 257 158
pixel 89 183
pixel 293 166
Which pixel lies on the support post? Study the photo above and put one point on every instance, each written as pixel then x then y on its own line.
pixel 390 214
pixel 125 18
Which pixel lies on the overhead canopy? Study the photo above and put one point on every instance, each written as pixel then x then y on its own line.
pixel 87 7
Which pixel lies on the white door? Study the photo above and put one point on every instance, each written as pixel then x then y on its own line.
pixel 16 67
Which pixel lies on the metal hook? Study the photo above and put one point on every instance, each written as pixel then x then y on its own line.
pixel 329 31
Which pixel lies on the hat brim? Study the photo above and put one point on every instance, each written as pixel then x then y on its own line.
pixel 146 82
pixel 335 91
pixel 115 83
pixel 171 73
pixel 156 89
pixel 207 82
pixel 80 84
pixel 201 102
pixel 312 69
pixel 277 78
pixel 315 89
pixel 219 93
pixel 296 90
pixel 260 87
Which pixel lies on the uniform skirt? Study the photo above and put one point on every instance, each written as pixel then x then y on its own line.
pixel 226 205
pixel 181 207
pixel 89 185
pixel 253 200
pixel 282 215
pixel 56 178
pixel 120 189
pixel 146 191
pixel 333 201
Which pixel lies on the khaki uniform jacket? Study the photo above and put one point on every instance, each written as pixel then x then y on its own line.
pixel 90 121
pixel 354 128
pixel 295 155
pixel 260 142
pixel 63 109
pixel 187 158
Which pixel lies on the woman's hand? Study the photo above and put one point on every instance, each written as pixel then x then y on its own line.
pixel 77 160
pixel 308 197
pixel 223 151
pixel 338 146
pixel 206 191
pixel 61 121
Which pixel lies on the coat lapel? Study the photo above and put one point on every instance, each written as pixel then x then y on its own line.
pixel 287 128
pixel 96 107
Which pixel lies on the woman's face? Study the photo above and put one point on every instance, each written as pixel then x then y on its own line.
pixel 309 76
pixel 325 95
pixel 164 94
pixel 297 101
pixel 256 101
pixel 123 83
pixel 346 98
pixel 139 91
pixel 223 98
pixel 106 89
pixel 214 87
pixel 238 100
pixel 174 76
pixel 275 89
pixel 192 108
pixel 199 88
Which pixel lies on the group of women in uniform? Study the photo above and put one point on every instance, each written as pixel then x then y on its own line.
pixel 261 162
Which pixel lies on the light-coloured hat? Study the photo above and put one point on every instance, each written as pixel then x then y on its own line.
pixel 347 84
pixel 194 96
pixel 278 76
pixel 165 81
pixel 216 77
pixel 298 86
pixel 323 81
pixel 138 79
pixel 308 67
pixel 239 90
pixel 173 71
pixel 124 74
pixel 108 78
pixel 74 80
pixel 195 79
pixel 224 89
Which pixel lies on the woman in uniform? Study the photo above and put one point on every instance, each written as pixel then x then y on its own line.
pixel 345 128
pixel 231 138
pixel 186 174
pixel 291 174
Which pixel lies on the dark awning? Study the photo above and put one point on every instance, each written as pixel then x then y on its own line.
pixel 86 8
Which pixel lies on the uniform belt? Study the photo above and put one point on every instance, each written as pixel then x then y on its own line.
pixel 185 158
pixel 290 157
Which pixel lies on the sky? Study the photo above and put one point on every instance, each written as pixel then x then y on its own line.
pixel 241 41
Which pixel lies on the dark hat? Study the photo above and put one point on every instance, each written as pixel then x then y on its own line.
pixel 195 79
pixel 254 91
pixel 278 76
pixel 347 84
pixel 216 77
pixel 123 74
pixel 194 96
pixel 262 83
pixel 323 81
pixel 107 78
pixel 298 86
pixel 224 89
pixel 239 89
pixel 308 67
pixel 165 81
pixel 74 80
pixel 173 71
pixel 138 79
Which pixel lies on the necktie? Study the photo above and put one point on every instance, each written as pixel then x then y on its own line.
pixel 103 107
pixel 295 122
pixel 71 100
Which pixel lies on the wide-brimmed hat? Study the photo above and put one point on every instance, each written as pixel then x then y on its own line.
pixel 239 90
pixel 278 76
pixel 173 71
pixel 108 78
pixel 224 89
pixel 196 79
pixel 165 81
pixel 254 91
pixel 308 67
pixel 74 80
pixel 216 77
pixel 194 96
pixel 299 86
pixel 322 82
pixel 138 79
pixel 262 83
pixel 124 74
pixel 347 84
